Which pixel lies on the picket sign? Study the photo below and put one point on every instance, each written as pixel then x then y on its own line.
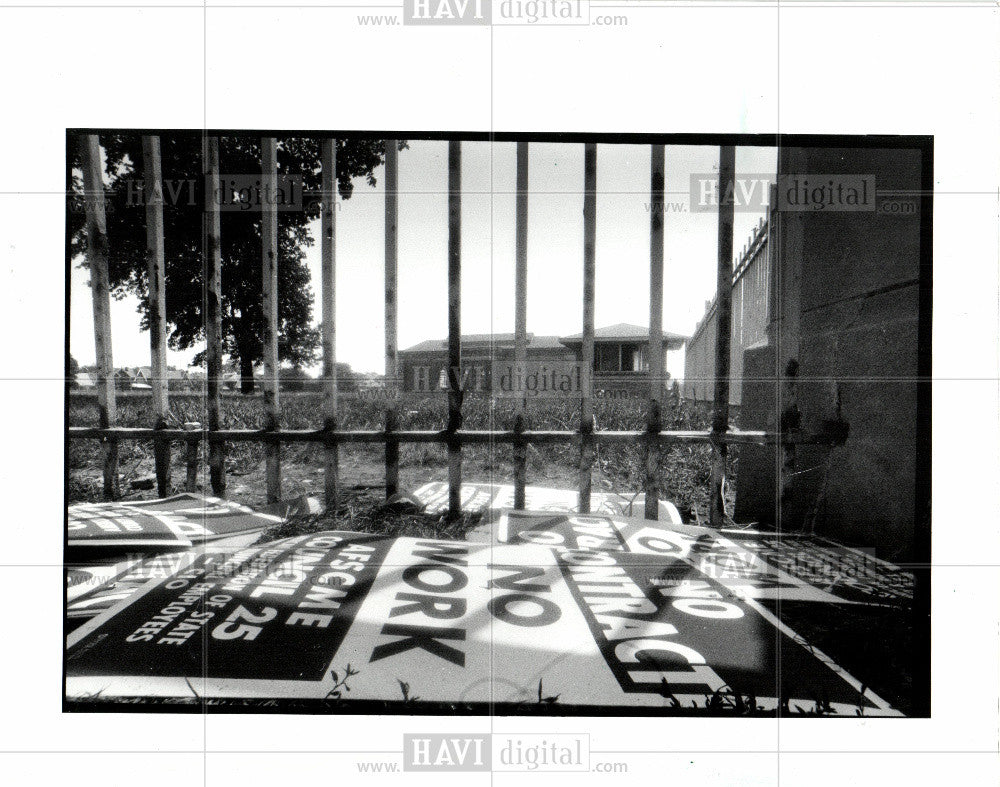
pixel 114 548
pixel 750 563
pixel 93 589
pixel 166 524
pixel 477 498
pixel 570 625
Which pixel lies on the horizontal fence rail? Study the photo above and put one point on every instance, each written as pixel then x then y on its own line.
pixel 444 436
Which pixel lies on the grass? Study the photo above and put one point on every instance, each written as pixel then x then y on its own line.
pixel 874 645
pixel 684 470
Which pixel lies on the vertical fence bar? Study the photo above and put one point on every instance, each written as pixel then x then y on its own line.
pixel 723 332
pixel 212 275
pixel 329 289
pixel 454 326
pixel 656 376
pixel 521 315
pixel 100 290
pixel 392 386
pixel 587 345
pixel 153 176
pixel 269 282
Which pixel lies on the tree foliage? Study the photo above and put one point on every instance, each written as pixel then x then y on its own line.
pixel 183 214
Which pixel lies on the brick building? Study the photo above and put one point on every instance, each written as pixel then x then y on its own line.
pixel 620 357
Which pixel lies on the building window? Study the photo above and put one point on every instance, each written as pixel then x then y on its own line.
pixel 607 358
pixel 624 357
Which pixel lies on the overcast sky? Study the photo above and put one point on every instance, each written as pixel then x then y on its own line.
pixel 555 249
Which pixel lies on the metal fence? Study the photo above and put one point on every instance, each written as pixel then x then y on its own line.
pixel 653 438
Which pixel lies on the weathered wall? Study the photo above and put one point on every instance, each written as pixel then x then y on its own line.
pixel 750 315
pixel 756 486
pixel 844 339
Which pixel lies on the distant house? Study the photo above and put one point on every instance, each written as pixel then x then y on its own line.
pixel 123 379
pixel 178 380
pixel 85 380
pixel 423 367
pixel 132 377
pixel 142 377
pixel 620 358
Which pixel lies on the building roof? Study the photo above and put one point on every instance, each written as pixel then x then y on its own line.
pixel 134 371
pixel 620 332
pixel 483 340
pixel 624 332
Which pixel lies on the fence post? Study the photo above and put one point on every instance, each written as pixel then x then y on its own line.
pixel 269 280
pixel 723 330
pixel 392 386
pixel 521 316
pixel 587 346
pixel 153 176
pixel 212 275
pixel 329 288
pixel 656 376
pixel 100 290
pixel 454 327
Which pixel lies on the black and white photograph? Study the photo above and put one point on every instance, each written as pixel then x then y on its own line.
pixel 665 513
pixel 431 390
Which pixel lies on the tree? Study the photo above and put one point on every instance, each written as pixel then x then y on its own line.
pixel 184 201
pixel 71 371
pixel 347 380
pixel 294 380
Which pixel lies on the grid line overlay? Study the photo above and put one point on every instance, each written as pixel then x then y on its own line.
pixel 777 5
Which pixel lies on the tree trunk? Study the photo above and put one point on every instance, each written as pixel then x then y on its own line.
pixel 246 374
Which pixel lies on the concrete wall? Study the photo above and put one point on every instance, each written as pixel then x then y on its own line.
pixel 844 341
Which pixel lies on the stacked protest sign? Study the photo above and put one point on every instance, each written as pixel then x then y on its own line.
pixel 113 548
pixel 84 579
pixel 91 590
pixel 752 564
pixel 404 623
pixel 852 574
pixel 168 524
pixel 433 497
